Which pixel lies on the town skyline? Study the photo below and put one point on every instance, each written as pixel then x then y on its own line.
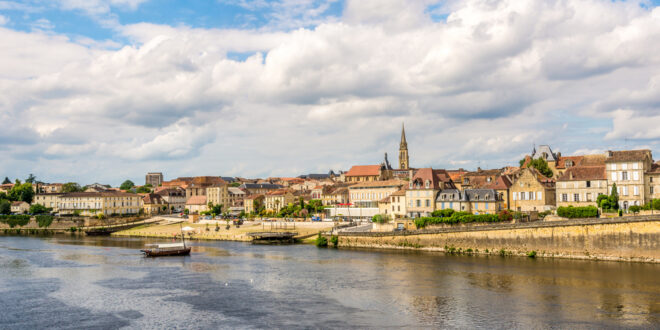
pixel 106 90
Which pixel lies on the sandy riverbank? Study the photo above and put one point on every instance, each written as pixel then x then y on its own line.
pixel 232 234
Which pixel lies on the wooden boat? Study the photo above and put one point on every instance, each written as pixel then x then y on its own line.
pixel 172 249
pixel 161 250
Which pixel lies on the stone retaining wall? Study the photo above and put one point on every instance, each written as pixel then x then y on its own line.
pixel 628 238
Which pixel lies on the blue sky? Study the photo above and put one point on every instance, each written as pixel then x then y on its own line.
pixel 104 90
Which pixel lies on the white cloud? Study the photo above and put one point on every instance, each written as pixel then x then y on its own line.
pixel 4 20
pixel 480 88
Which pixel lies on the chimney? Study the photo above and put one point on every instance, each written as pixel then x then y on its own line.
pixel 570 175
pixel 558 155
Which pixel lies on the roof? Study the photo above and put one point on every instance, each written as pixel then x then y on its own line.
pixel 107 193
pixel 456 175
pixel 450 195
pixel 196 200
pixel 364 170
pixel 153 199
pixel 400 192
pixel 260 186
pixel 278 192
pixel 544 152
pixel 255 196
pixel 581 173
pixel 171 191
pixel 501 183
pixel 235 191
pixel 486 195
pixel 435 177
pixel 18 203
pixel 576 160
pixel 655 168
pixel 315 176
pixel 372 184
pixel 627 155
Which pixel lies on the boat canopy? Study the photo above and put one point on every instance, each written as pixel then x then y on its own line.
pixel 166 246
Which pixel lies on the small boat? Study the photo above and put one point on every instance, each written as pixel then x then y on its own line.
pixel 161 250
pixel 172 249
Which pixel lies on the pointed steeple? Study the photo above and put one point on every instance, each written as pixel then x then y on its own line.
pixel 403 151
pixel 404 144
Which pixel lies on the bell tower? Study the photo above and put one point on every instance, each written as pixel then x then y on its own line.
pixel 403 151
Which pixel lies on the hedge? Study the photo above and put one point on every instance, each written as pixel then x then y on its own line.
pixel 15 220
pixel 44 220
pixel 456 217
pixel 577 212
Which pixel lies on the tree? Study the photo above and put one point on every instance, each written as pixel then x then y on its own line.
pixel 31 178
pixel 70 187
pixel 521 162
pixel 6 181
pixel 655 204
pixel 127 185
pixel 22 192
pixel 142 190
pixel 613 200
pixel 235 184
pixel 5 207
pixel 39 209
pixel 216 209
pixel 542 166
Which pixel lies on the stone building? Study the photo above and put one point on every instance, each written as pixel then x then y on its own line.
pixel 197 204
pixel 628 170
pixel 249 201
pixel 366 173
pixel 277 199
pixel 423 189
pixel 155 179
pixel 218 194
pixel 19 207
pixel 368 194
pixel 48 200
pixel 404 162
pixel 153 204
pixel 653 182
pixel 174 197
pixel 92 203
pixel 531 191
pixel 581 186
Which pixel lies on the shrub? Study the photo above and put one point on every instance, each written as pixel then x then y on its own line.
pixel 620 213
pixel 379 218
pixel 321 241
pixel 39 209
pixel 44 220
pixel 577 212
pixel 655 204
pixel 505 215
pixel 456 217
pixel 334 240
pixel 15 220
pixel 635 209
pixel 531 254
pixel 443 213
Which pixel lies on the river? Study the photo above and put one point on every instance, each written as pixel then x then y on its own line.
pixel 92 282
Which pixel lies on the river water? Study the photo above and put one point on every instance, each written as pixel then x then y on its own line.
pixel 65 282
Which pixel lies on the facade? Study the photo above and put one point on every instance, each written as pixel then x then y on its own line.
pixel 502 187
pixel 277 199
pixel 453 199
pixel 19 207
pixel 653 182
pixel 581 186
pixel 627 169
pixel 198 185
pixel 404 161
pixel 50 188
pixel 531 191
pixel 219 195
pixel 366 173
pixel 174 197
pixel 259 188
pixel 368 194
pixel 155 179
pixel 423 190
pixel 249 201
pixel 47 200
pixel 235 196
pixel 397 204
pixel 483 201
pixel 92 203
pixel 153 204
pixel 197 204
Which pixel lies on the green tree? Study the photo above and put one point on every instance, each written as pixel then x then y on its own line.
pixel 521 162
pixel 39 209
pixel 22 192
pixel 143 190
pixel 613 200
pixel 127 185
pixel 5 207
pixel 6 181
pixel 70 187
pixel 542 166
pixel 655 204
pixel 31 178
pixel 216 209
pixel 235 184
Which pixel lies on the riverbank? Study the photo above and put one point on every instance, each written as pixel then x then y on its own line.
pixel 633 239
pixel 200 232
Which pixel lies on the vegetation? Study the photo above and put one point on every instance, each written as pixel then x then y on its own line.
pixel 15 220
pixel 146 189
pixel 44 220
pixel 321 241
pixel 334 240
pixel 21 192
pixel 39 209
pixel 70 187
pixel 505 215
pixel 611 202
pixel 5 206
pixel 235 184
pixel 456 217
pixel 6 181
pixel 531 254
pixel 443 213
pixel 635 209
pixel 577 212
pixel 379 218
pixel 540 165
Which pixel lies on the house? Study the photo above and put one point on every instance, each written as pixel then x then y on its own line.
pixel 395 204
pixel 581 186
pixel 174 197
pixel 19 207
pixel 502 187
pixel 236 196
pixel 275 200
pixel 653 182
pixel 50 188
pixel 250 201
pixel 92 203
pixel 627 169
pixel 155 179
pixel 154 204
pixel 336 195
pixel 364 173
pixel 453 199
pixel 423 190
pixel 218 194
pixel 48 200
pixel 531 191
pixel 5 188
pixel 483 201
pixel 259 188
pixel 197 204
pixel 197 186
pixel 369 193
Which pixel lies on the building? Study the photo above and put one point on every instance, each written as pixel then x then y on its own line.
pixel 275 200
pixel 502 187
pixel 197 204
pixel 259 188
pixel 453 199
pixel 218 194
pixel 50 188
pixel 5 188
pixel 197 186
pixel 108 203
pixel 236 196
pixel 483 201
pixel 174 197
pixel 155 179
pixel 154 204
pixel 404 162
pixel 395 204
pixel 423 190
pixel 250 201
pixel 581 186
pixel 653 182
pixel 368 194
pixel 19 207
pixel 48 200
pixel 627 169
pixel 96 187
pixel 531 191
pixel 365 173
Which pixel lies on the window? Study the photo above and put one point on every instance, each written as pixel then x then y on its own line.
pixel 635 166
pixel 451 205
pixel 427 184
pixel 613 176
pixel 625 191
pixel 539 196
pixel 651 179
pixel 531 196
pixel 624 166
pixel 624 175
pixel 419 203
pixel 588 183
pixel 476 206
pixel 428 203
pixel 563 184
pixel 486 206
pixel 635 176
pixel 564 197
pixel 575 185
pixel 576 197
pixel 636 190
pixel 522 195
pixel 410 203
pixel 515 195
pixel 613 167
pixel 442 205
pixel 651 190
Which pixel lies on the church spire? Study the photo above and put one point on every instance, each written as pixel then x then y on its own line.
pixel 403 151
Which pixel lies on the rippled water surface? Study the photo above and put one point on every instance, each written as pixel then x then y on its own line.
pixel 64 282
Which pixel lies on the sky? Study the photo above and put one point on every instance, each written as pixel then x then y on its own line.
pixel 107 90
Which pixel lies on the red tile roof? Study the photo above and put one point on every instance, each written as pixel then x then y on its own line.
pixel 580 173
pixel 196 200
pixel 364 170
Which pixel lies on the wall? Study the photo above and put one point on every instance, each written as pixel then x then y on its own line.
pixel 628 238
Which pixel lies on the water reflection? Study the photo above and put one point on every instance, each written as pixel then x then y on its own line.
pixel 106 283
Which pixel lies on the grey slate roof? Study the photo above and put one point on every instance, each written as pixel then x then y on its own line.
pixel 260 186
pixel 467 195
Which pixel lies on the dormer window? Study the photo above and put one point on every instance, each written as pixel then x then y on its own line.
pixel 569 163
pixel 427 184
pixel 410 185
pixel 488 179
pixel 466 181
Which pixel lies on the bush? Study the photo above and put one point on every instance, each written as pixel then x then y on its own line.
pixel 635 209
pixel 655 204
pixel 620 213
pixel 379 218
pixel 456 217
pixel 15 220
pixel 577 212
pixel 505 215
pixel 44 220
pixel 531 254
pixel 321 241
pixel 334 240
pixel 443 213
pixel 39 209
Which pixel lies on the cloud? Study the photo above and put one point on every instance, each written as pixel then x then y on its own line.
pixel 4 20
pixel 477 88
